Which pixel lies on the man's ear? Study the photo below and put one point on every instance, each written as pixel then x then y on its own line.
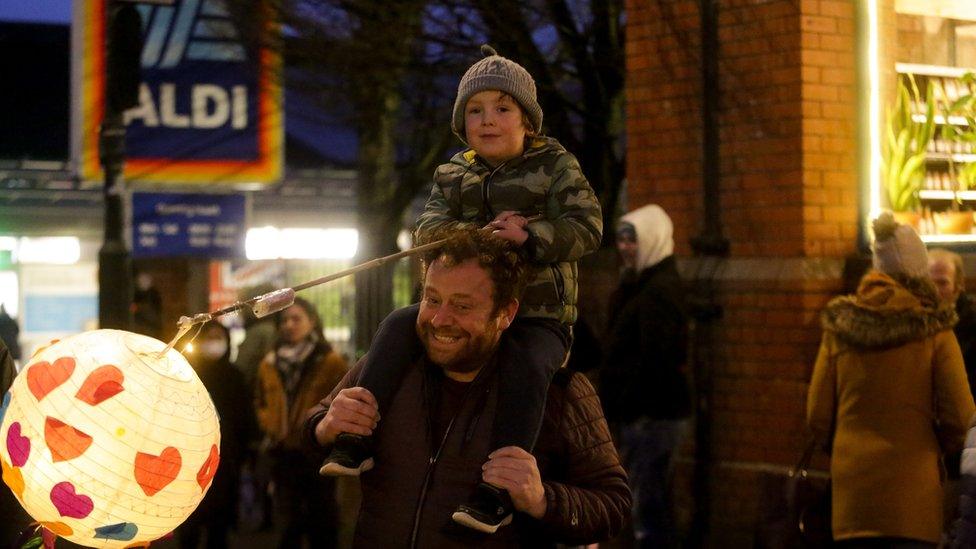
pixel 506 314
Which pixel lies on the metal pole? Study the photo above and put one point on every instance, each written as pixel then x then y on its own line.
pixel 711 246
pixel 114 263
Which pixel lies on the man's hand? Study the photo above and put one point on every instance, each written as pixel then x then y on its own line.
pixel 510 226
pixel 353 410
pixel 515 470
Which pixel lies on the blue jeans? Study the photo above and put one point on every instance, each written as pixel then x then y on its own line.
pixel 648 447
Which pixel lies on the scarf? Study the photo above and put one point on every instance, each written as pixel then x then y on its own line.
pixel 290 360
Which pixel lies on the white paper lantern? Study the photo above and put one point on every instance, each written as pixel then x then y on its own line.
pixel 104 442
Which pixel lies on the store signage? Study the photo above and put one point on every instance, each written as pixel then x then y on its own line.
pixel 209 109
pixel 182 224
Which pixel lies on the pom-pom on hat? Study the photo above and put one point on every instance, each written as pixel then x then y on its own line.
pixel 495 72
pixel 898 249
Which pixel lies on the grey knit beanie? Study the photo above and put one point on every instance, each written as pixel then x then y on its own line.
pixel 898 249
pixel 495 72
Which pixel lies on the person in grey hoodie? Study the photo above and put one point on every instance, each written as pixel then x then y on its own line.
pixel 642 384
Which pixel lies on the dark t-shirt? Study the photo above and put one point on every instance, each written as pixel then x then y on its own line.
pixel 448 403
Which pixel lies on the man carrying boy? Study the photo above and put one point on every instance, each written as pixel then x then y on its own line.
pixel 571 489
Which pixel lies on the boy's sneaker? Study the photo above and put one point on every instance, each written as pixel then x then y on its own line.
pixel 351 454
pixel 488 510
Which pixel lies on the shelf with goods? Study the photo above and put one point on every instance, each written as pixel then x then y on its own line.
pixel 944 214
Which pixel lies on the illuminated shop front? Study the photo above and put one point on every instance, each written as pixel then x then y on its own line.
pixel 920 105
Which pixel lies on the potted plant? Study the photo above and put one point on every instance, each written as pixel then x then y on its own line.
pixel 904 150
pixel 961 135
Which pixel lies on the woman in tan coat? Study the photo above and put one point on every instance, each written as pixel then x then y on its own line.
pixel 889 397
pixel 301 370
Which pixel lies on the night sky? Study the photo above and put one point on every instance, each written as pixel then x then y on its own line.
pixel 41 11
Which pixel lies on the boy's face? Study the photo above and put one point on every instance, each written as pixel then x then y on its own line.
pixel 493 126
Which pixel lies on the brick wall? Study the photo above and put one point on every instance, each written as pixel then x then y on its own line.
pixel 789 199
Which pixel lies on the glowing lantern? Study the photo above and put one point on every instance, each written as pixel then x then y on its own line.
pixel 106 443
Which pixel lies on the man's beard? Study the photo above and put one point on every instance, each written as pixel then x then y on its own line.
pixel 470 357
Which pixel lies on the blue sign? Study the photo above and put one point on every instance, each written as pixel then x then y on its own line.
pixel 59 313
pixel 182 224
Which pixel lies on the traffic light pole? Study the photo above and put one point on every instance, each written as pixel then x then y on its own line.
pixel 114 262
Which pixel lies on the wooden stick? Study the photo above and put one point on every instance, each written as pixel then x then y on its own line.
pixel 371 264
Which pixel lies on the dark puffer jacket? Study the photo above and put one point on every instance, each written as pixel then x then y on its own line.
pixel 546 179
pixel 585 486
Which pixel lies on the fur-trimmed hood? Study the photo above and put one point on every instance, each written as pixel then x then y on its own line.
pixel 885 312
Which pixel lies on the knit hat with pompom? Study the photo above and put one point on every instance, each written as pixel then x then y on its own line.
pixel 495 72
pixel 897 248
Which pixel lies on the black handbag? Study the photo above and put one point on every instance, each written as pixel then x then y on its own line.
pixel 808 501
pixel 794 509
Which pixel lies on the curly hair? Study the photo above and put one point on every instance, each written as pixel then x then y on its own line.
pixel 502 260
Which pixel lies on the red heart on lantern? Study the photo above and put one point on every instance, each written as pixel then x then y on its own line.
pixel 209 468
pixel 103 383
pixel 44 377
pixel 64 441
pixel 153 473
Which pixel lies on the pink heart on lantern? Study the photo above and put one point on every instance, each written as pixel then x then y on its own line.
pixel 70 504
pixel 17 446
pixel 44 377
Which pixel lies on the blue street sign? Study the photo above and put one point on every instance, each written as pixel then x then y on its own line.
pixel 183 224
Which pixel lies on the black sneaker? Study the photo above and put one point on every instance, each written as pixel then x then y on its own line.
pixel 351 454
pixel 488 510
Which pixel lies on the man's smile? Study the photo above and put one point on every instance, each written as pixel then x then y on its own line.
pixel 446 338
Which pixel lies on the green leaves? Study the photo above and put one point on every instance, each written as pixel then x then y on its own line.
pixel 963 130
pixel 906 143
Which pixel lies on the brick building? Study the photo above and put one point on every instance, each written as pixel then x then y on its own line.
pixel 796 81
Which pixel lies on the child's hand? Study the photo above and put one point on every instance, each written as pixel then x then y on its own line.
pixel 510 226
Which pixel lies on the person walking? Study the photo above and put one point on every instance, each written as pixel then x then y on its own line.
pixel 949 276
pixel 292 379
pixel 888 398
pixel 643 386
pixel 10 333
pixel 13 518
pixel 217 513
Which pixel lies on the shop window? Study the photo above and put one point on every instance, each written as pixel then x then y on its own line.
pixel 935 57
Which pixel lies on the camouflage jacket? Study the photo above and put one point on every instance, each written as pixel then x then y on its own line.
pixel 546 179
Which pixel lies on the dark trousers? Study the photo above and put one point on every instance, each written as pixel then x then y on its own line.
pixel 13 518
pixel 305 502
pixel 191 531
pixel 649 447
pixel 530 352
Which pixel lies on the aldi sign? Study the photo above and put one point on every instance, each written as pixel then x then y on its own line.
pixel 209 108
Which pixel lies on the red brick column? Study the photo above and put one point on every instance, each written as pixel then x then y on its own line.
pixel 789 208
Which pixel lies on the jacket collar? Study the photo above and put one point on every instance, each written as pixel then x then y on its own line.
pixel 538 145
pixel 885 312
